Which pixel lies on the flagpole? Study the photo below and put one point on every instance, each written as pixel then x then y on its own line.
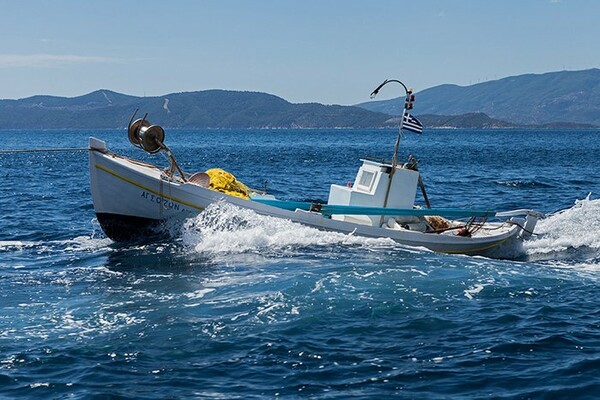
pixel 398 140
pixel 407 105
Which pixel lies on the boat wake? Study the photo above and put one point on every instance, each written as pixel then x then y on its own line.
pixel 223 228
pixel 570 236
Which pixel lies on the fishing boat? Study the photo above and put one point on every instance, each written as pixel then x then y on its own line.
pixel 132 198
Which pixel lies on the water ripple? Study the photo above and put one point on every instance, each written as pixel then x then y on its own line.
pixel 237 305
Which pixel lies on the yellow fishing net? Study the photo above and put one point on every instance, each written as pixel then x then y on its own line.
pixel 224 182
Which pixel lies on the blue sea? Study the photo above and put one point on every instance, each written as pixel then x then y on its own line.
pixel 240 306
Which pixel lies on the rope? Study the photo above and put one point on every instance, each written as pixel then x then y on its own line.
pixel 44 150
pixel 522 227
pixel 473 226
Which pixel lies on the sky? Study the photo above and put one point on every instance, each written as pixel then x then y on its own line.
pixel 325 51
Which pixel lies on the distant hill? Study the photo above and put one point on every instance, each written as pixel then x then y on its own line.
pixel 555 100
pixel 204 109
pixel 470 120
pixel 533 99
pixel 483 121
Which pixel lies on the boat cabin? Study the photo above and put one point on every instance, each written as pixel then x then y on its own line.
pixel 373 188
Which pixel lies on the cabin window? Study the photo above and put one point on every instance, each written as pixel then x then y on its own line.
pixel 366 180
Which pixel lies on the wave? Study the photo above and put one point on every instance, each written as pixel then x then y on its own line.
pixel 572 234
pixel 15 245
pixel 522 183
pixel 20 254
pixel 223 228
pixel 79 243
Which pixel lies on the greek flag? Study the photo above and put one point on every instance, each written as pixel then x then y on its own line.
pixel 412 124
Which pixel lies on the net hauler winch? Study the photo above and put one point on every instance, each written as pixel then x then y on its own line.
pixel 150 138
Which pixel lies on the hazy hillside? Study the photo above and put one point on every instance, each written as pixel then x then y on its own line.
pixel 205 109
pixel 566 96
pixel 553 100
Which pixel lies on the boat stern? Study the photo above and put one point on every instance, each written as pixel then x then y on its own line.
pixel 526 220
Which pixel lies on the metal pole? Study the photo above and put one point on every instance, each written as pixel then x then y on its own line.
pixel 394 164
pixel 398 140
pixel 397 146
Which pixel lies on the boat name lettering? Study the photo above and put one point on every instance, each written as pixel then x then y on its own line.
pixel 167 204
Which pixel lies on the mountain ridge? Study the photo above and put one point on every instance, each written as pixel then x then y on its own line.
pixel 530 99
pixel 487 105
pixel 213 108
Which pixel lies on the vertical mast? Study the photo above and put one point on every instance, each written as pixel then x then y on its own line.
pixel 407 106
pixel 397 145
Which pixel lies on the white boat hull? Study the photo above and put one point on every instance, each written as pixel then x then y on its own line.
pixel 130 197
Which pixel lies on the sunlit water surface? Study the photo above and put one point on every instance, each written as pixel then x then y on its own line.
pixel 237 305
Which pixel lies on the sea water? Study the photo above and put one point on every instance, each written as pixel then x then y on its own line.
pixel 236 305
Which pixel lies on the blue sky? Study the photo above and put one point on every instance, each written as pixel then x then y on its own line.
pixel 332 52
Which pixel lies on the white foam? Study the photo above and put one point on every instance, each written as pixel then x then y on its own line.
pixel 14 245
pixel 224 228
pixel 79 243
pixel 473 290
pixel 87 243
pixel 573 228
pixel 198 294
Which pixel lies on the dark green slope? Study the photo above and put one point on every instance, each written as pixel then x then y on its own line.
pixel 204 109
